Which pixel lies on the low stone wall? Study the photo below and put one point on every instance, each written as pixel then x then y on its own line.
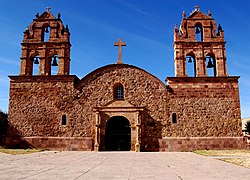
pixel 51 143
pixel 165 144
pixel 201 143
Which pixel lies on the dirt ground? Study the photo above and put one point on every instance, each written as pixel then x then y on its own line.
pixel 238 157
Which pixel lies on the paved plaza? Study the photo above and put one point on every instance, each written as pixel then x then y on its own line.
pixel 117 165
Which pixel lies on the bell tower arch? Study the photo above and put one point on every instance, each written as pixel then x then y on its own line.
pixel 197 35
pixel 46 43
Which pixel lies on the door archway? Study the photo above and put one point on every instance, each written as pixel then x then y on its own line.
pixel 118 134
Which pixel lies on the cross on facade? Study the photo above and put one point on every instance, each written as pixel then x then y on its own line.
pixel 119 44
pixel 48 9
pixel 197 8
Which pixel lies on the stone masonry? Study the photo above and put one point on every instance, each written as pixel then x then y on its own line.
pixel 64 112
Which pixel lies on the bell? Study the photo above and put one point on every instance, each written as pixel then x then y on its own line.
pixel 197 30
pixel 190 59
pixel 210 63
pixel 46 30
pixel 54 62
pixel 36 60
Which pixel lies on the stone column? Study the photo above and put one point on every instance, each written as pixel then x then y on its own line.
pixel 97 125
pixel 138 130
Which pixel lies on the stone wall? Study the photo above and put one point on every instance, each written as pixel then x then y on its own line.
pixel 37 103
pixel 201 143
pixel 205 107
pixel 35 106
pixel 51 143
pixel 141 89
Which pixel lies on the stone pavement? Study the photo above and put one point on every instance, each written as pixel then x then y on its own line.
pixel 117 165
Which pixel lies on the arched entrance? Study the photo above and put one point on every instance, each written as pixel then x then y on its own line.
pixel 118 134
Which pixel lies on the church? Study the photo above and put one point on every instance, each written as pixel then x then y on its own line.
pixel 121 107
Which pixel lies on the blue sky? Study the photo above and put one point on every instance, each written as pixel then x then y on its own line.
pixel 146 26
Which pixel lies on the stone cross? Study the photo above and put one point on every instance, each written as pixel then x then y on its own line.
pixel 48 9
pixel 197 8
pixel 119 44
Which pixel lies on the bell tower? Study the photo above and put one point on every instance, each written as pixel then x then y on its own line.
pixel 46 43
pixel 196 42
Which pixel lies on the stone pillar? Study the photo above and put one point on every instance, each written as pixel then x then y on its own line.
pixel 61 64
pixel 179 62
pixel 23 66
pixel 138 131
pixel 200 63
pixel 221 66
pixel 97 125
pixel 42 66
pixel 48 66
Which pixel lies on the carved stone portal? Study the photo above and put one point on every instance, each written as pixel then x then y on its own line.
pixel 125 110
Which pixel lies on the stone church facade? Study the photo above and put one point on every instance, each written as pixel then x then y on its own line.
pixel 120 106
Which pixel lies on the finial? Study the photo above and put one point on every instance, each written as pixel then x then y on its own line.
pixel 48 9
pixel 27 30
pixel 209 13
pixel 184 14
pixel 59 15
pixel 37 15
pixel 176 28
pixel 67 28
pixel 196 8
pixel 219 28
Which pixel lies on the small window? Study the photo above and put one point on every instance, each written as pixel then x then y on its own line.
pixel 174 118
pixel 119 92
pixel 64 120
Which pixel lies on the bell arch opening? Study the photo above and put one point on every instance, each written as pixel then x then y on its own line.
pixel 211 64
pixel 35 65
pixel 54 64
pixel 190 65
pixel 45 33
pixel 118 134
pixel 198 30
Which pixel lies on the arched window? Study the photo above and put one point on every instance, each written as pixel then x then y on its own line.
pixel 45 34
pixel 174 118
pixel 54 64
pixel 119 91
pixel 36 62
pixel 198 32
pixel 211 65
pixel 64 120
pixel 190 65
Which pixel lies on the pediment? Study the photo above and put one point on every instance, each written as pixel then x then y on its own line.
pixel 119 103
pixel 119 106
pixel 46 15
pixel 198 15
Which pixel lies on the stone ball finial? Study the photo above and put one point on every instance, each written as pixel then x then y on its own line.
pixel 176 28
pixel 184 14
